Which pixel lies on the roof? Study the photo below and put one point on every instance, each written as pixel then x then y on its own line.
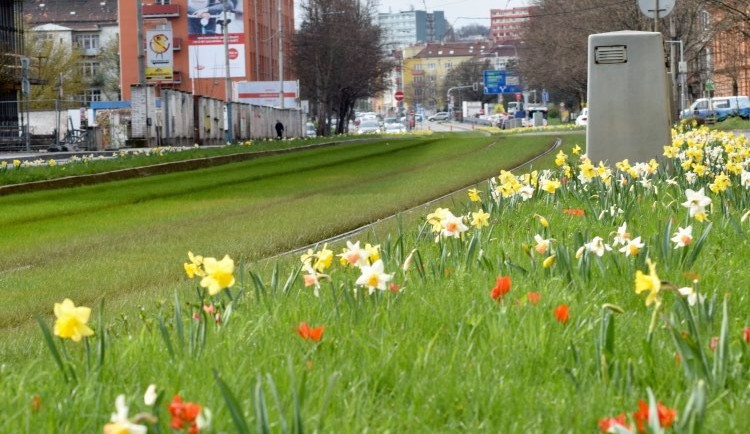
pixel 455 49
pixel 50 28
pixel 74 14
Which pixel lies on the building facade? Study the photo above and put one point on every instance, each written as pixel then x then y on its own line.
pixel 412 27
pixel 730 59
pixel 507 24
pixel 424 72
pixel 199 57
pixel 88 26
pixel 11 46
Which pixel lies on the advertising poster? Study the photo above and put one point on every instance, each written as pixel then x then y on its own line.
pixel 206 38
pixel 266 93
pixel 159 55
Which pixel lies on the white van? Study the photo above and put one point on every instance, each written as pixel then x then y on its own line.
pixel 721 107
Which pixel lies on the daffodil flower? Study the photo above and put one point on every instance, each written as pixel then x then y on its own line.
pixel 621 236
pixel 683 237
pixel 374 277
pixel 71 321
pixel 354 255
pixel 452 226
pixel 474 195
pixel 632 247
pixel 691 295
pixel 648 282
pixel 120 424
pixel 480 219
pixel 219 274
pixel 696 203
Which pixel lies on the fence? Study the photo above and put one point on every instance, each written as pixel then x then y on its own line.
pixel 176 118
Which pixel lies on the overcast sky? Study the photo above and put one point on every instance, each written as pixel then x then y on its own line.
pixel 457 12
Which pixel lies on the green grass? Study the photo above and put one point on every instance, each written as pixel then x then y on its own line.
pixel 112 240
pixel 140 158
pixel 440 355
pixel 731 124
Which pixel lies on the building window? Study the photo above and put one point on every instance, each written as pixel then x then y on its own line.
pixel 448 66
pixel 418 67
pixel 431 66
pixel 92 95
pixel 87 41
pixel 90 68
pixel 418 79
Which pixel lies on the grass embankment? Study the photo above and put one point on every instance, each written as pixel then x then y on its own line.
pixel 118 241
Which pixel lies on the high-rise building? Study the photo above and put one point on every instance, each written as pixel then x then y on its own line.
pixel 197 46
pixel 507 24
pixel 412 27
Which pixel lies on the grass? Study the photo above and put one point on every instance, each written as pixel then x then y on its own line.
pixel 87 164
pixel 110 240
pixel 732 124
pixel 438 354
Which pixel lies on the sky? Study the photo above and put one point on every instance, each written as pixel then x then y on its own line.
pixel 458 13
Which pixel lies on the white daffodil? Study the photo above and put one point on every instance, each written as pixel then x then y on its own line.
pixel 696 203
pixel 542 245
pixel 149 398
pixel 120 422
pixel 632 247
pixel 526 192
pixel 595 246
pixel 683 237
pixel 452 226
pixel 621 236
pixel 374 277
pixel 354 255
pixel 691 295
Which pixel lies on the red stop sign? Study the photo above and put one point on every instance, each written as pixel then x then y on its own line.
pixel 233 53
pixel 399 95
pixel 518 97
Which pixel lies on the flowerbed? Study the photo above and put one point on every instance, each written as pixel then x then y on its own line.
pixel 587 298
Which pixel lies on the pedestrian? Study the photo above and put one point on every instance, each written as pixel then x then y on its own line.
pixel 279 129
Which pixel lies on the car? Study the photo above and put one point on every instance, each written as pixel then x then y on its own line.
pixel 719 107
pixel 583 119
pixel 368 127
pixel 394 127
pixel 310 130
pixel 439 116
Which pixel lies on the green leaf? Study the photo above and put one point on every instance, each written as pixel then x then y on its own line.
pixel 51 346
pixel 261 411
pixel 234 409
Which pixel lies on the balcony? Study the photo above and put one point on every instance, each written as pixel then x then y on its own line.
pixel 161 11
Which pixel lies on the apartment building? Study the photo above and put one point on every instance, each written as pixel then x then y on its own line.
pixel 11 45
pixel 196 52
pixel 412 27
pixel 507 24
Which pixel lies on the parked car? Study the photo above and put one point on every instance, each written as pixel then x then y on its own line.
pixel 439 116
pixel 368 127
pixel 583 118
pixel 310 130
pixel 394 127
pixel 720 107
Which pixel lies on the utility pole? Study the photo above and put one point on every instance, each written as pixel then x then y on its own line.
pixel 281 60
pixel 142 62
pixel 228 78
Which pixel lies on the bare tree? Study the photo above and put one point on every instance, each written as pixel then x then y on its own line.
pixel 339 58
pixel 466 74
pixel 555 49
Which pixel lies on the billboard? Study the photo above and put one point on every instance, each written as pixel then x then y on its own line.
pixel 159 55
pixel 496 82
pixel 266 93
pixel 206 21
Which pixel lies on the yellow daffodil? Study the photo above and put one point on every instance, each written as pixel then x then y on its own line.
pixel 474 195
pixel 195 266
pixel 219 274
pixel 543 221
pixel 549 261
pixel 550 185
pixel 561 158
pixel 648 282
pixel 16 163
pixel 480 219
pixel 576 150
pixel 71 321
pixel 721 183
pixel 671 151
pixel 373 252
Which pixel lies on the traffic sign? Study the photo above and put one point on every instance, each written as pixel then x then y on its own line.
pixel 648 7
pixel 399 95
pixel 709 86
pixel 496 82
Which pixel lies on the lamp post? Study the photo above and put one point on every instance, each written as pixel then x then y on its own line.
pixel 281 60
pixel 228 78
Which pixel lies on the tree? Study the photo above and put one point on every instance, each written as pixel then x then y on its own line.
pixel 110 69
pixel 51 60
pixel 555 50
pixel 339 58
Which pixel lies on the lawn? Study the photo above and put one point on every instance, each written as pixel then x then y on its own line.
pixel 565 300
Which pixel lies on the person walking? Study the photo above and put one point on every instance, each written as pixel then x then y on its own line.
pixel 279 129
